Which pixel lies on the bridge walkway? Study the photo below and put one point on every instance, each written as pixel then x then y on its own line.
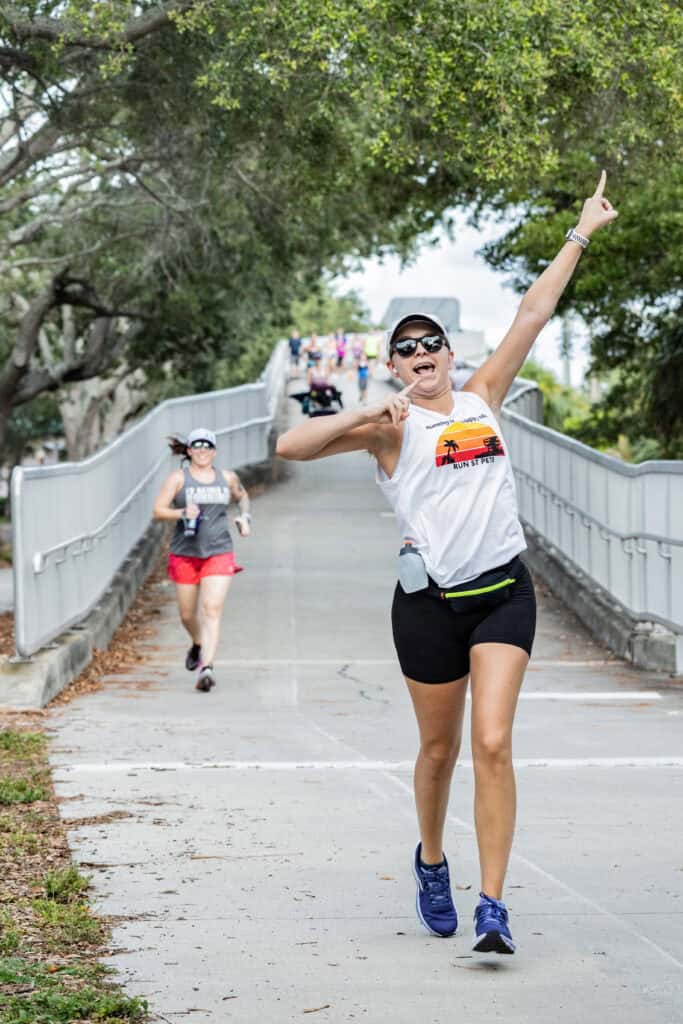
pixel 254 844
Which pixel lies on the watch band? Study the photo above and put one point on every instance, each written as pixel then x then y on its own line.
pixel 574 236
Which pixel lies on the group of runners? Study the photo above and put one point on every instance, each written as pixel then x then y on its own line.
pixel 338 352
pixel 465 613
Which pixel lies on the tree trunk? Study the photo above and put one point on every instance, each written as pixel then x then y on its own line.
pixel 26 340
pixel 95 411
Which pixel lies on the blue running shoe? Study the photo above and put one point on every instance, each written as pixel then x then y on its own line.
pixel 434 903
pixel 491 931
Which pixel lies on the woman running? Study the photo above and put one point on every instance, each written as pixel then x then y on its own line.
pixel 340 342
pixel 201 563
pixel 468 609
pixel 313 353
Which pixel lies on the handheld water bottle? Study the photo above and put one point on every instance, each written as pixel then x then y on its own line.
pixel 190 526
pixel 412 574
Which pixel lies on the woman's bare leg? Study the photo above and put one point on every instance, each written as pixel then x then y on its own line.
pixel 212 593
pixel 188 595
pixel 497 671
pixel 439 710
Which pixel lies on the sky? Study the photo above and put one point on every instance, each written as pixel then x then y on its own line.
pixel 454 269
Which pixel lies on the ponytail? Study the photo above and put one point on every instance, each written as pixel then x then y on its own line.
pixel 178 446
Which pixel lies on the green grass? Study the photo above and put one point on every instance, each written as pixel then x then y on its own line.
pixel 64 884
pixel 51 997
pixel 9 936
pixel 34 990
pixel 23 791
pixel 16 838
pixel 25 783
pixel 21 744
pixel 67 924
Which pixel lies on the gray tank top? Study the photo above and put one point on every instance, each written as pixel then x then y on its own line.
pixel 212 536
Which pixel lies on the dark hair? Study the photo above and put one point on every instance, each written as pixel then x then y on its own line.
pixel 178 446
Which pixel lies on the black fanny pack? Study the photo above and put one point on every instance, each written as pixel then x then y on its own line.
pixel 487 590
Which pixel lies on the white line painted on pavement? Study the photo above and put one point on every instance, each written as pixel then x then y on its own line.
pixel 562 763
pixel 589 695
pixel 321 662
pixel 564 663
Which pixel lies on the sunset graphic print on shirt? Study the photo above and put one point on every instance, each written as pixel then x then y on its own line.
pixel 467 442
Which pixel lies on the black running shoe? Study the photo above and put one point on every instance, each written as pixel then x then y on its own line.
pixel 193 658
pixel 205 679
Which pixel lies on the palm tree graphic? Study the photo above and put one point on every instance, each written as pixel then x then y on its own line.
pixel 451 447
pixel 493 445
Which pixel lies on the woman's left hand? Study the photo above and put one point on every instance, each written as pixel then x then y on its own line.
pixel 243 525
pixel 597 211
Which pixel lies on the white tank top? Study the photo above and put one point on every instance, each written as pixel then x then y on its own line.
pixel 453 491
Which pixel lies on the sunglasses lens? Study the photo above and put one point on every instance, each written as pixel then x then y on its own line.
pixel 405 347
pixel 201 444
pixel 408 346
pixel 433 344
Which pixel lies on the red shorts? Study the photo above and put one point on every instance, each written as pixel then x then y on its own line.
pixel 183 569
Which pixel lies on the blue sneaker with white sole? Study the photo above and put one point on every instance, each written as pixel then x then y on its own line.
pixel 434 903
pixel 491 928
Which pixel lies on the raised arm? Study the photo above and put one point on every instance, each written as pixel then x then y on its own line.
pixel 370 428
pixel 493 379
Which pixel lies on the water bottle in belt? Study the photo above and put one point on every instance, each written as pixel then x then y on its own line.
pixel 412 574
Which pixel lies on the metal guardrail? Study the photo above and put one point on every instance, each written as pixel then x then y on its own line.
pixel 74 524
pixel 620 524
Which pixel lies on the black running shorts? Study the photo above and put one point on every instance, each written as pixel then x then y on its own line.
pixel 433 641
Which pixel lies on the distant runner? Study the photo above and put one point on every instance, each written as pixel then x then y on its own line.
pixel 295 344
pixel 201 563
pixel 372 350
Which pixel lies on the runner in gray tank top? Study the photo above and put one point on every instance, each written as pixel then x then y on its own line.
pixel 467 613
pixel 201 561
pixel 213 499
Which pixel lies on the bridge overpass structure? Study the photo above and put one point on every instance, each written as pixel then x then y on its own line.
pixel 608 537
pixel 253 845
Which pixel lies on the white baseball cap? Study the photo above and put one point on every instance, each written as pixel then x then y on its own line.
pixel 429 318
pixel 201 434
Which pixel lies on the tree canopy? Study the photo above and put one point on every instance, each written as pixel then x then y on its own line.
pixel 177 173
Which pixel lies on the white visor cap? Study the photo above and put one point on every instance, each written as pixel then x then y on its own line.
pixel 201 434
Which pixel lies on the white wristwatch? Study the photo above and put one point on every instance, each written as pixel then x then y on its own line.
pixel 574 236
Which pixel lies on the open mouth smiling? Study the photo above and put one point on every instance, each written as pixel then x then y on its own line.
pixel 424 366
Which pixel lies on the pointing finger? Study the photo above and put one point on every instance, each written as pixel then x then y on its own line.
pixel 601 186
pixel 406 391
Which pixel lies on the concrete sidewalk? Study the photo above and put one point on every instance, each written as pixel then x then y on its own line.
pixel 254 844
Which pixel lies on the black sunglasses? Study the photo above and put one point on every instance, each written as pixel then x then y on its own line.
pixel 408 346
pixel 202 444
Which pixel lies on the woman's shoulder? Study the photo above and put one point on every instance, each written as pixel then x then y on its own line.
pixel 476 395
pixel 468 395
